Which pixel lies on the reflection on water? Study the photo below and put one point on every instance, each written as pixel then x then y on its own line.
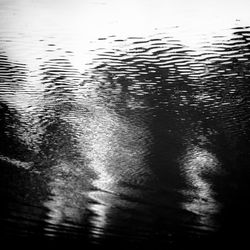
pixel 110 150
pixel 198 164
pixel 122 137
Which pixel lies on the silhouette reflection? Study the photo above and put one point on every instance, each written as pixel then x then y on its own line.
pixel 198 165
pixel 86 187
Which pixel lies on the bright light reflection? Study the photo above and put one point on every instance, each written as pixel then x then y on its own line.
pixel 73 25
pixel 113 150
pixel 197 163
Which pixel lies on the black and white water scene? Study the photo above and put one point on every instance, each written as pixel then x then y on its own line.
pixel 125 124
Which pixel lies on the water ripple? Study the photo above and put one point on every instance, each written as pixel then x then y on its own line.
pixel 140 136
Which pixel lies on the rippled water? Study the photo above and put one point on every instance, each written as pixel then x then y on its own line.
pixel 148 144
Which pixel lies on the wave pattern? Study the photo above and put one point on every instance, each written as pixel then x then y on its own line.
pixel 142 136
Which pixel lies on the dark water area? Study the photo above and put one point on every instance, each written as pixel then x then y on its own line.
pixel 148 146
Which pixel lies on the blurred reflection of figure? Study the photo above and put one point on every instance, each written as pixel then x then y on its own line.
pixel 198 165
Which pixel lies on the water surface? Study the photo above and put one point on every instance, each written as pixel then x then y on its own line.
pixel 146 144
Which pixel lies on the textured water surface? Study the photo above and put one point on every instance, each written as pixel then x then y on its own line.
pixel 147 143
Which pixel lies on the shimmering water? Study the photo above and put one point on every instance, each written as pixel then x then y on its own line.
pixel 147 143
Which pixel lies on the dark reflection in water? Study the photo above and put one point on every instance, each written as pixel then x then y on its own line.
pixel 148 145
